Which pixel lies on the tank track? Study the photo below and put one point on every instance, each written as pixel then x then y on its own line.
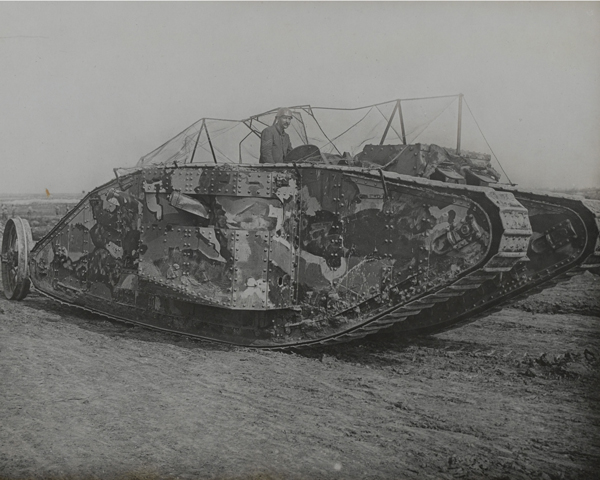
pixel 510 213
pixel 592 262
pixel 510 250
pixel 495 291
pixel 588 207
pixel 474 315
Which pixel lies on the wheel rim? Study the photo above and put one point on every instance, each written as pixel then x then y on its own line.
pixel 16 242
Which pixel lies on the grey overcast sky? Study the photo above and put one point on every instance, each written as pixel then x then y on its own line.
pixel 85 87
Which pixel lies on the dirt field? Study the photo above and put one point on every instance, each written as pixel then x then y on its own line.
pixel 512 396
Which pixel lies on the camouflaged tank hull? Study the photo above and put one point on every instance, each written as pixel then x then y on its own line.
pixel 276 256
pixel 565 238
pixel 564 243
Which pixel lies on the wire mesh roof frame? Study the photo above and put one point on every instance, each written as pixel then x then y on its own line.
pixel 218 140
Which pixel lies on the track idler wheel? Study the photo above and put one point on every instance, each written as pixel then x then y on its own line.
pixel 16 245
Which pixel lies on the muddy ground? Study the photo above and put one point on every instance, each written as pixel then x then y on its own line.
pixel 511 396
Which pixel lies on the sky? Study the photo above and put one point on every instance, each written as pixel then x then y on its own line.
pixel 87 87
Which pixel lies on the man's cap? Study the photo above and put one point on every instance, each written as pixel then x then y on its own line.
pixel 284 112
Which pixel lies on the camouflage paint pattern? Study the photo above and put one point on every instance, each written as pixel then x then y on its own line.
pixel 356 241
pixel 296 252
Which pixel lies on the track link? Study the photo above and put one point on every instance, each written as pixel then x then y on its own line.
pixel 481 298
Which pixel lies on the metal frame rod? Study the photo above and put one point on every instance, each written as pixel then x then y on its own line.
pixel 385 118
pixel 251 127
pixel 197 140
pixel 310 112
pixel 401 122
pixel 212 150
pixel 458 135
pixel 387 127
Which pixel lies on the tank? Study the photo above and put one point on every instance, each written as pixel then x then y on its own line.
pixel 343 239
pixel 564 240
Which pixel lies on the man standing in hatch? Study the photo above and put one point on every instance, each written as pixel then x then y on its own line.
pixel 274 142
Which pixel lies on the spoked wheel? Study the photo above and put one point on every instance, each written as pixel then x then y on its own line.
pixel 16 244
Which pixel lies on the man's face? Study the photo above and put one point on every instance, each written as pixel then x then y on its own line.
pixel 284 121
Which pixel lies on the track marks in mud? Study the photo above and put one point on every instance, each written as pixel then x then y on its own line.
pixel 513 396
pixel 581 295
pixel 538 373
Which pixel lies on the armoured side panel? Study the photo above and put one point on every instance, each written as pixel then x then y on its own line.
pixel 93 252
pixel 268 255
pixel 223 236
pixel 281 274
pixel 362 236
pixel 251 260
pixel 188 259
